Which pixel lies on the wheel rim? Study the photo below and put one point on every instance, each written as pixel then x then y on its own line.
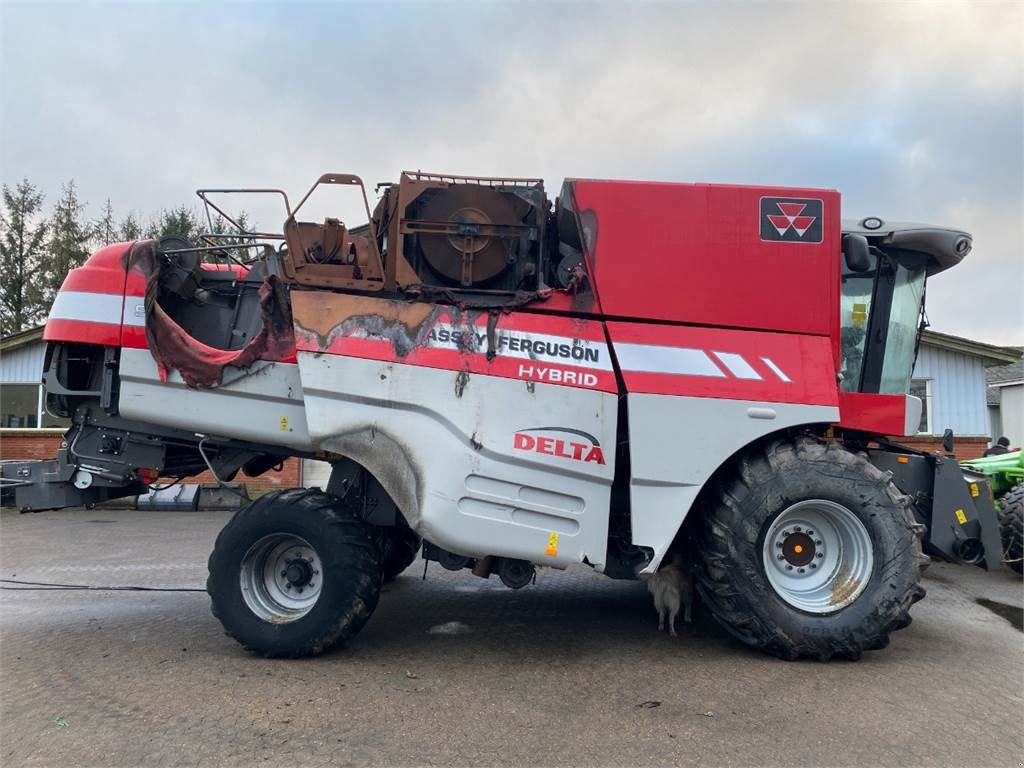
pixel 818 556
pixel 281 578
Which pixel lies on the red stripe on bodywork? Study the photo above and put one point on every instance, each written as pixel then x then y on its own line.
pixel 134 337
pixel 106 334
pixel 89 279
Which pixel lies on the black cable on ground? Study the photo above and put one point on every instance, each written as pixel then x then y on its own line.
pixel 44 586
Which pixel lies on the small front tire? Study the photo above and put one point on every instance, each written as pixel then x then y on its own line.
pixel 294 573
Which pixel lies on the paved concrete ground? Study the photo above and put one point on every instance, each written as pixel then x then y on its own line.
pixel 460 671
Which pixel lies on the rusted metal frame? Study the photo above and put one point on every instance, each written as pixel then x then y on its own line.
pixel 503 231
pixel 202 193
pixel 214 247
pixel 345 179
pixel 488 180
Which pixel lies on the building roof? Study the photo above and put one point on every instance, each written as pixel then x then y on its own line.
pixel 992 354
pixel 999 376
pixel 21 338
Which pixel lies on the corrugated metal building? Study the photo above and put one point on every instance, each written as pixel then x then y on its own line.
pixel 949 377
pixel 21 373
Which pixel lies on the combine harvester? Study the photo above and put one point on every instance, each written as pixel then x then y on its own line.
pixel 638 371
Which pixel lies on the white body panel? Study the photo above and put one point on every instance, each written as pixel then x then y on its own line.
pixel 443 444
pixel 263 404
pixel 676 443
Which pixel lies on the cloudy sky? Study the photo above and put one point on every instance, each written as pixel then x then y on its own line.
pixel 913 111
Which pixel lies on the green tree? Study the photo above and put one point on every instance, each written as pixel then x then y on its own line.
pixel 104 229
pixel 22 236
pixel 129 229
pixel 175 222
pixel 68 243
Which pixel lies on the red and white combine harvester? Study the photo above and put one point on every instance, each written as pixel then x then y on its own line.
pixel 640 371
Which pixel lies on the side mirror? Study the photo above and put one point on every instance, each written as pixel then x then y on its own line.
pixel 855 251
pixel 947 441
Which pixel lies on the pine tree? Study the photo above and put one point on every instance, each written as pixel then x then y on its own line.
pixel 22 236
pixel 104 230
pixel 67 246
pixel 176 222
pixel 130 229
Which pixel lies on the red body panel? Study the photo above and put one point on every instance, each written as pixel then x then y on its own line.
pixel 88 308
pixel 694 253
pixel 869 412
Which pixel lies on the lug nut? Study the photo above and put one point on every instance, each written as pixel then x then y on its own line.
pixel 778 544
pixel 796 528
pixel 782 557
pixel 786 532
pixel 814 565
pixel 801 571
pixel 818 542
pixel 300 590
pixel 820 555
pixel 287 586
pixel 810 532
pixel 789 567
pixel 284 573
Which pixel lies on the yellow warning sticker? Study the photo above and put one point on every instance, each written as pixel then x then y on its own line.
pixel 283 423
pixel 960 517
pixel 974 491
pixel 552 549
pixel 859 315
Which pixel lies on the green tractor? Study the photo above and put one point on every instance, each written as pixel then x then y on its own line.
pixel 1006 475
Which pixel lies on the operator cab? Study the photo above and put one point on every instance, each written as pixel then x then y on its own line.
pixel 885 268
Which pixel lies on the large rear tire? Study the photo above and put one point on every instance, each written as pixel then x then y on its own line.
pixel 810 552
pixel 1011 527
pixel 293 574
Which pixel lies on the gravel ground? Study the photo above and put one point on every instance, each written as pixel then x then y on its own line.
pixel 456 670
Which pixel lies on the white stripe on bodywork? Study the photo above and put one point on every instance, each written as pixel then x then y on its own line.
pixel 678 360
pixel 134 311
pixel 737 365
pixel 87 307
pixel 775 369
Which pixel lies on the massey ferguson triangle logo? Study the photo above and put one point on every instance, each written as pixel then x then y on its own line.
pixel 572 444
pixel 791 220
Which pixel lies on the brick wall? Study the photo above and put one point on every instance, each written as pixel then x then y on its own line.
pixel 43 444
pixel 967 447
pixel 29 443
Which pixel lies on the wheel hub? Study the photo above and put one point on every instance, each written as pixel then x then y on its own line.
pixel 798 549
pixel 280 577
pixel 818 556
pixel 299 572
